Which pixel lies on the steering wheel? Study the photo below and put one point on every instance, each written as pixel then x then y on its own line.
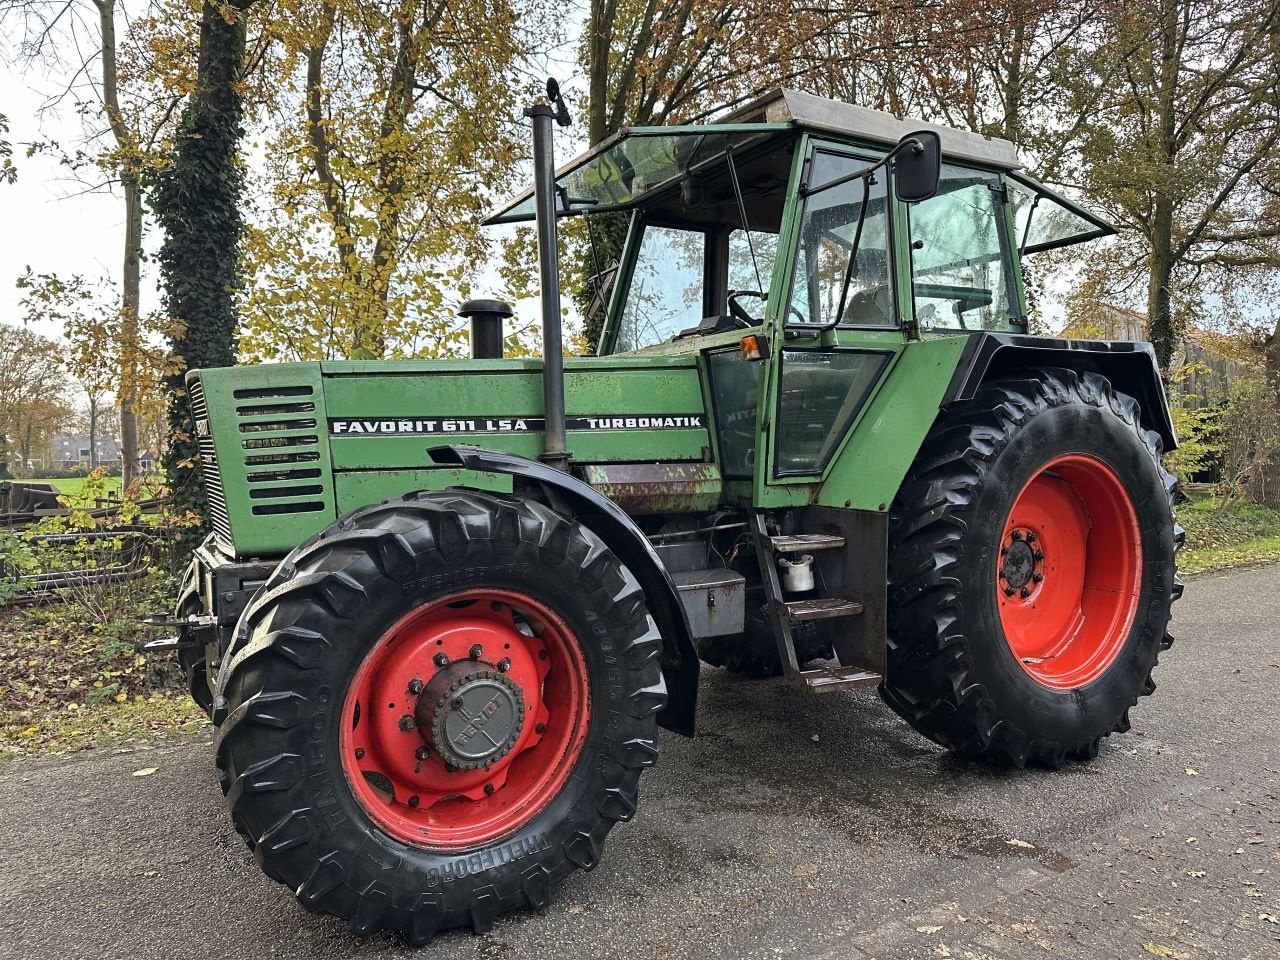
pixel 739 312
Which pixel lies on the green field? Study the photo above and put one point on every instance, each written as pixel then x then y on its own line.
pixel 73 484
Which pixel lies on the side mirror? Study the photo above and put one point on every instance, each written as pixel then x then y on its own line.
pixel 917 166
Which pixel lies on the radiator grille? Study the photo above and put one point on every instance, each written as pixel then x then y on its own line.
pixel 209 464
pixel 276 431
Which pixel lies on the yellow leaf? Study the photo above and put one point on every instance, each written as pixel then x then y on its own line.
pixel 1157 950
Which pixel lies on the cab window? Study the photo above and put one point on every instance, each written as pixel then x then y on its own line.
pixel 961 267
pixel 827 234
pixel 667 289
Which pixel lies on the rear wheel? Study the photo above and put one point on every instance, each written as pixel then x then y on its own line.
pixel 1031 571
pixel 436 710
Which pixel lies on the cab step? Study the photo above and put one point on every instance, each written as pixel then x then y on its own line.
pixel 823 679
pixel 822 608
pixel 805 542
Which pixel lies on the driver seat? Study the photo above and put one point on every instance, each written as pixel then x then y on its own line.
pixel 872 307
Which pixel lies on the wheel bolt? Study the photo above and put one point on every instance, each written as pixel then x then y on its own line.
pixel 476 651
pixel 422 753
pixel 440 659
pixel 359 753
pixel 1037 577
pixel 407 723
pixel 1002 576
pixel 488 789
pixel 540 728
pixel 415 686
pixel 504 664
pixel 1016 535
pixel 1025 592
pixel 1031 537
pixel 413 800
pixel 1039 556
pixel 456 703
pixel 1009 591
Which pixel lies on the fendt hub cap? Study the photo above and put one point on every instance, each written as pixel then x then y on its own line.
pixel 465 719
pixel 472 716
pixel 1069 573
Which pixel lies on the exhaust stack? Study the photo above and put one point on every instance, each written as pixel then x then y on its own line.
pixel 544 115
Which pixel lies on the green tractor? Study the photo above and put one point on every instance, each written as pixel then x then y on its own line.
pixel 446 605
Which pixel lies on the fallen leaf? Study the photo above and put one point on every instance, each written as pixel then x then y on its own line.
pixel 575 908
pixel 1157 949
pixel 1269 917
pixel 1256 894
pixel 144 772
pixel 1021 843
pixel 1192 773
pixel 805 870
pixel 1239 850
pixel 1195 873
pixel 927 929
pixel 1256 840
pixel 815 738
pixel 1193 840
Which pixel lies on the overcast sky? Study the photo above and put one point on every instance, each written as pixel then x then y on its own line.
pixel 47 221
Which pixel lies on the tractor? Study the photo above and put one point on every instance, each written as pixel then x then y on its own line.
pixel 446 604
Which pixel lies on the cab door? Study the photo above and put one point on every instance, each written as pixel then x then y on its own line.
pixel 836 312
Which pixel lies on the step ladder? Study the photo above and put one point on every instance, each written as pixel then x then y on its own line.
pixel 783 613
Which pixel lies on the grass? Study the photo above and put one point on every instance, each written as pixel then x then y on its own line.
pixel 1227 533
pixel 74 484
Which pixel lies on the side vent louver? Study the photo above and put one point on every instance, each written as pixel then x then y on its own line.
pixel 276 432
pixel 209 464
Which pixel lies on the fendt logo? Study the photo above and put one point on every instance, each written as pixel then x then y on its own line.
pixel 476 722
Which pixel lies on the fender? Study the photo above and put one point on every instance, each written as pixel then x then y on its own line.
pixel 1130 366
pixel 607 520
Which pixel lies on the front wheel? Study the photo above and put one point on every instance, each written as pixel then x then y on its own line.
pixel 1031 571
pixel 436 710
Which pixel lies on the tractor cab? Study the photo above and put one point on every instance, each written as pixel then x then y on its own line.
pixel 763 220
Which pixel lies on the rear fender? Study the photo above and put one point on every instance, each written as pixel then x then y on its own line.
pixel 629 544
pixel 1130 366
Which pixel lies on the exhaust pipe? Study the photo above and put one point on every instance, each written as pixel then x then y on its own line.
pixel 545 115
pixel 486 318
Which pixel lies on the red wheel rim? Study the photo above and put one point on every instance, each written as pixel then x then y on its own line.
pixel 465 719
pixel 1069 572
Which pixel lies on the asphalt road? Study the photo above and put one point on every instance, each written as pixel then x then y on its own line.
pixel 756 841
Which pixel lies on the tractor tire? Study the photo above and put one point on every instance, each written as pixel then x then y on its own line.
pixel 436 709
pixel 754 654
pixel 193 661
pixel 1031 571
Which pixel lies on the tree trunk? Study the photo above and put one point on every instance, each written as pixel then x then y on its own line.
pixel 93 429
pixel 197 204
pixel 126 143
pixel 129 331
pixel 1160 321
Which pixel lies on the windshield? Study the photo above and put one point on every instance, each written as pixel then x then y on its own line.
pixel 670 290
pixel 635 162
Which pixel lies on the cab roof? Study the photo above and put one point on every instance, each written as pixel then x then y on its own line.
pixel 619 171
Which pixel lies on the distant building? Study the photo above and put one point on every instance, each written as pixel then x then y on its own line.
pixel 1202 366
pixel 71 451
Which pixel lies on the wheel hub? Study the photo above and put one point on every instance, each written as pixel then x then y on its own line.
pixel 471 714
pixel 1021 562
pixel 465 718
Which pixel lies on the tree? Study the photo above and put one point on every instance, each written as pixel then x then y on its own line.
pixel 388 125
pixel 8 172
pixel 120 80
pixel 93 326
pixel 196 200
pixel 34 393
pixel 1184 152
